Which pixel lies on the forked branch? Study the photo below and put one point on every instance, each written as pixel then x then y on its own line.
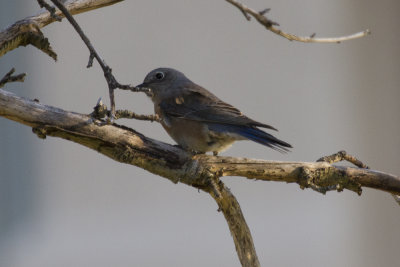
pixel 201 171
pixel 27 31
pixel 9 78
pixel 128 146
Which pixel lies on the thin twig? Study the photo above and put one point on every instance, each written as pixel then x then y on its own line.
pixel 100 112
pixel 342 155
pixel 111 80
pixel 51 9
pixel 264 11
pixel 269 24
pixel 9 78
pixel 127 114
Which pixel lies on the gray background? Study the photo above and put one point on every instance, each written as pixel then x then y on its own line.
pixel 64 205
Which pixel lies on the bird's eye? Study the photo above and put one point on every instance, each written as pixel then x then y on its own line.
pixel 160 75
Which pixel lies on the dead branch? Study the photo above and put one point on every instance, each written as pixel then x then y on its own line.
pixel 270 25
pixel 110 78
pixel 101 112
pixel 27 31
pixel 201 171
pixel 9 78
pixel 343 156
pixel 128 146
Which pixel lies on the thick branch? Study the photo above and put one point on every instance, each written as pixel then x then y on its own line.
pixel 27 31
pixel 270 25
pixel 128 146
pixel 74 7
pixel 201 171
pixel 320 176
pixel 230 207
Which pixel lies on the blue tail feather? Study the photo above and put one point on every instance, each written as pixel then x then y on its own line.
pixel 261 137
pixel 254 134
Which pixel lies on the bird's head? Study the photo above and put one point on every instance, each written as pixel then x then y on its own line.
pixel 162 82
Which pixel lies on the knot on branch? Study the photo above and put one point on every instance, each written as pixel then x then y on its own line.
pixel 41 132
pixel 327 179
pixel 126 155
pixel 201 177
pixel 266 21
pixel 196 174
pixel 100 110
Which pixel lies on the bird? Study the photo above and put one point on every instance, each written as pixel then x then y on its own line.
pixel 197 120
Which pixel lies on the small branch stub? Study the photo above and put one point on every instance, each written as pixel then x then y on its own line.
pixel 100 112
pixel 341 156
pixel 9 78
pixel 51 9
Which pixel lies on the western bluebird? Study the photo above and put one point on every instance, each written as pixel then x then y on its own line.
pixel 198 120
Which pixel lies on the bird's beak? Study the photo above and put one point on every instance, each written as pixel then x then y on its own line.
pixel 146 89
pixel 142 85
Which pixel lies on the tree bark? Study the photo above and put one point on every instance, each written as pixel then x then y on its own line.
pixel 201 171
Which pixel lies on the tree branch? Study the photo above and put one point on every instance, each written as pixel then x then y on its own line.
pixel 230 207
pixel 128 146
pixel 100 112
pixel 110 78
pixel 201 171
pixel 9 78
pixel 27 31
pixel 51 9
pixel 270 25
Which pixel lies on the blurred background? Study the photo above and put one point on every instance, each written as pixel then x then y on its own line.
pixel 62 204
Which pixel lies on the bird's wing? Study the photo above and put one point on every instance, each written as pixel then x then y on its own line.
pixel 199 104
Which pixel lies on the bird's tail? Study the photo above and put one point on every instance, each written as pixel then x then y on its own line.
pixel 261 137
